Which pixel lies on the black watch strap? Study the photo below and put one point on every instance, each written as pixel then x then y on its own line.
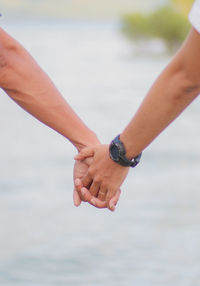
pixel 118 154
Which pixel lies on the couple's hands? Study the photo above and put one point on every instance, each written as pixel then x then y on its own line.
pixel 81 193
pixel 97 178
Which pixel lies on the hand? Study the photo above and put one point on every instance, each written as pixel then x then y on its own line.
pixel 81 193
pixel 80 170
pixel 104 176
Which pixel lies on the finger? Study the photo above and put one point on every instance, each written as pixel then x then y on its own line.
pixel 87 181
pixel 113 202
pixel 92 200
pixel 102 193
pixel 85 153
pixel 78 185
pixel 110 194
pixel 94 189
pixel 76 198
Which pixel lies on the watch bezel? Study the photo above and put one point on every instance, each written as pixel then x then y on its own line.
pixel 121 158
pixel 112 146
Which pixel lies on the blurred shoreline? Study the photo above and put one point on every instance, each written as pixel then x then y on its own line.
pixel 74 9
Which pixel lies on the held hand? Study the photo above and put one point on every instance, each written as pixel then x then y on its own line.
pixel 82 194
pixel 97 202
pixel 104 176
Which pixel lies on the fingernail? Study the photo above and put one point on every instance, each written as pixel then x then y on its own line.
pixel 93 202
pixel 77 182
pixel 77 204
pixel 112 207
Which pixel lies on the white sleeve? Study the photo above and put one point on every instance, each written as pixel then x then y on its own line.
pixel 194 15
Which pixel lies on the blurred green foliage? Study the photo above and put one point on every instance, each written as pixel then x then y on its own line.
pixel 167 23
pixel 183 6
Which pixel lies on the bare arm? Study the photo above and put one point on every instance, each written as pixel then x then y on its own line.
pixel 29 86
pixel 176 87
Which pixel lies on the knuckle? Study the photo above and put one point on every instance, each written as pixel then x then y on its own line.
pixel 91 172
pixel 97 180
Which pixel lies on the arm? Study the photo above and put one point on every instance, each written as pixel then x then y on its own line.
pixel 176 87
pixel 27 84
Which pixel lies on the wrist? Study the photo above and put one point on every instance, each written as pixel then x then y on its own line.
pixel 89 139
pixel 131 149
pixel 117 153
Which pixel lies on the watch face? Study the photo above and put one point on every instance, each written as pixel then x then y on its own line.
pixel 114 152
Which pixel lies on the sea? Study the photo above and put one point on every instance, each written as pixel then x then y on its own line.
pixel 153 237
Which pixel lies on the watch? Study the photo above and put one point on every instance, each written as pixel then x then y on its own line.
pixel 118 154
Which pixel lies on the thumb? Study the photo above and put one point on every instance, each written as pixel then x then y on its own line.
pixel 85 153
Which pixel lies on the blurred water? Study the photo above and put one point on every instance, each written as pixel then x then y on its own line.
pixel 153 237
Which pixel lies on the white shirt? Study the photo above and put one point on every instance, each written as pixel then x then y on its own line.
pixel 194 15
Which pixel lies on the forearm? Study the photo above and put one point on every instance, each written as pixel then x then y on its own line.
pixel 160 107
pixel 173 91
pixel 25 82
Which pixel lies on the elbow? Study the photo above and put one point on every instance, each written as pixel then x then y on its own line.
pixel 182 84
pixel 186 76
pixel 190 84
pixel 191 88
